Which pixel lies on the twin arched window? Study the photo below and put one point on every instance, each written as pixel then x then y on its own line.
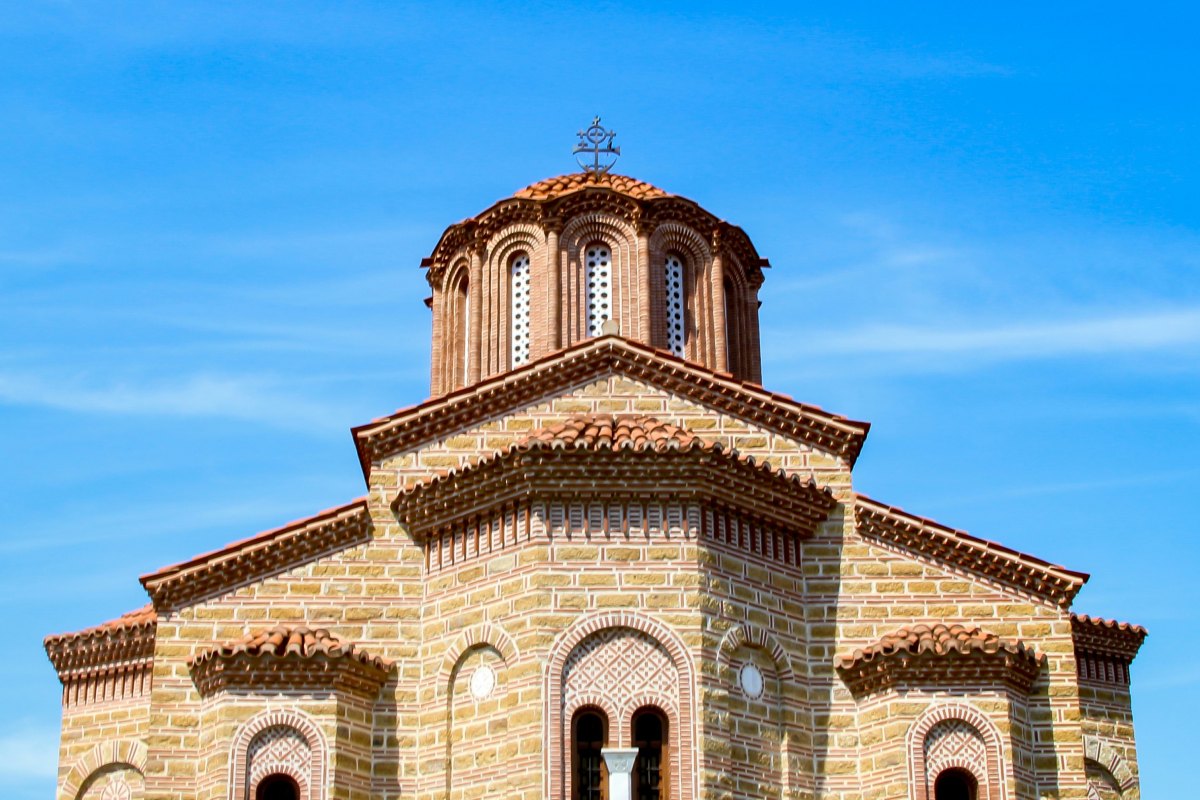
pixel 589 736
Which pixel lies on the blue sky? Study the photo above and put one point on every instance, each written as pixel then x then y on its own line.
pixel 984 225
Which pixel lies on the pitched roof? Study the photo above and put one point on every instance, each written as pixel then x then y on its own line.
pixel 592 358
pixel 630 432
pixel 129 637
pixel 1106 637
pixel 556 187
pixel 294 657
pixel 1025 573
pixel 260 556
pixel 287 641
pixel 928 651
pixel 937 639
pixel 590 454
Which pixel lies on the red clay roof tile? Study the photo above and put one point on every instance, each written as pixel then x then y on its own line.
pixel 938 639
pixel 284 641
pixel 551 188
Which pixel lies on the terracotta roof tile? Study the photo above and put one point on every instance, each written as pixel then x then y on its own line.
pixel 259 556
pixel 409 427
pixel 1106 637
pixel 1017 570
pixel 286 641
pixel 939 652
pixel 938 639
pixel 553 460
pixel 139 617
pixel 551 188
pixel 129 637
pixel 613 432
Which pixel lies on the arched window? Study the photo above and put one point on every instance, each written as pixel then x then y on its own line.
pixel 599 286
pixel 459 324
pixel 673 280
pixel 650 768
pixel 733 329
pixel 955 784
pixel 589 735
pixel 277 787
pixel 519 308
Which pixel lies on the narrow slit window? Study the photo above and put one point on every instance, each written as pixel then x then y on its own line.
pixel 673 279
pixel 599 287
pixel 519 309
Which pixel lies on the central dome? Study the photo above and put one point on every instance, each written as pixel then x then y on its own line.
pixel 562 259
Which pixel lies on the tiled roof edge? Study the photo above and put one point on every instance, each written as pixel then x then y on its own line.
pixel 258 556
pixel 1018 570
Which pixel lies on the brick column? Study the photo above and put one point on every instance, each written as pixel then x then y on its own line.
pixel 719 333
pixel 645 291
pixel 553 291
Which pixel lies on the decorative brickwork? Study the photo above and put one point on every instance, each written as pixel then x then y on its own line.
pixel 637 662
pixel 278 742
pixel 118 757
pixel 955 736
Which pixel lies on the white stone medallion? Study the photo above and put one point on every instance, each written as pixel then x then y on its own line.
pixel 483 682
pixel 750 679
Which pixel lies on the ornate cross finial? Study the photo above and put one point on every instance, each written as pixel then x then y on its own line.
pixel 597 141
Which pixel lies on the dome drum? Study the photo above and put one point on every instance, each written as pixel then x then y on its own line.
pixel 544 269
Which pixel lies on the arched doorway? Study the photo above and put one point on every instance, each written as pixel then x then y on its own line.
pixel 955 784
pixel 277 787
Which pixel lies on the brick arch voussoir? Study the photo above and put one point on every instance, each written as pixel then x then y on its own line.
pixel 594 623
pixel 514 239
pixel 587 228
pixel 481 635
pixel 1107 756
pixel 118 752
pixel 742 635
pixel 670 237
pixel 271 718
pixel 987 730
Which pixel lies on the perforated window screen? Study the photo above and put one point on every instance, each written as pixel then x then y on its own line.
pixel 673 275
pixel 519 332
pixel 599 285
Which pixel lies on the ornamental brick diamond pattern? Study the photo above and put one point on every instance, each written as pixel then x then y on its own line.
pixel 955 743
pixel 278 750
pixel 622 666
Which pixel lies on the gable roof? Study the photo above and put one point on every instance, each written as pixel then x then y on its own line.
pixel 593 358
pixel 1016 570
pixel 260 556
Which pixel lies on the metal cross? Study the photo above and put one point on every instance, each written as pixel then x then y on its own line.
pixel 597 141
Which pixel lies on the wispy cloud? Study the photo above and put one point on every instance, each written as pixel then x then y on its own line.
pixel 1065 487
pixel 210 396
pixel 1034 339
pixel 28 749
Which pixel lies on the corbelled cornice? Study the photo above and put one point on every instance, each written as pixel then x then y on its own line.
pixel 626 457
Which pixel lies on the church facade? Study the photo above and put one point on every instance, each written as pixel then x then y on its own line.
pixel 602 561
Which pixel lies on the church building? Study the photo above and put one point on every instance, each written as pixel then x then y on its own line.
pixel 602 562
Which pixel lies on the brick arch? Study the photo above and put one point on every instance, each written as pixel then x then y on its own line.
pixel 119 752
pixel 312 785
pixel 740 635
pixel 580 232
pixel 678 237
pixel 484 634
pixel 680 718
pixel 497 286
pixel 988 770
pixel 1108 757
